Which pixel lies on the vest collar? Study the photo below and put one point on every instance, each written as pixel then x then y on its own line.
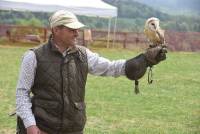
pixel 70 51
pixel 54 48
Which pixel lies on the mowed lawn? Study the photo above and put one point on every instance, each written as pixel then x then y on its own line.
pixel 171 105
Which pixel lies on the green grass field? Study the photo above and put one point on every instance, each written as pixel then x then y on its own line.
pixel 171 105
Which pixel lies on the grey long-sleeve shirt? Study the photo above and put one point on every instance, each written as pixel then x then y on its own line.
pixel 96 65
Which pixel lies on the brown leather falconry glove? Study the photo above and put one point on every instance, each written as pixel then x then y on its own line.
pixel 155 55
pixel 136 67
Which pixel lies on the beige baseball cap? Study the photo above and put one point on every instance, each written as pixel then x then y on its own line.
pixel 65 18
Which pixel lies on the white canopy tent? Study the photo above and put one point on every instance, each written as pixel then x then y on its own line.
pixel 79 7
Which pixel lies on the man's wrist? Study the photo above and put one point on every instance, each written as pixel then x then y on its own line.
pixel 29 122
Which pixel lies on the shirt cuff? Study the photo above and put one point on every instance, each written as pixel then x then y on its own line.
pixel 29 122
pixel 123 69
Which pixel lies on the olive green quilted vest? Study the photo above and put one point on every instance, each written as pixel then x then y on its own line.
pixel 59 89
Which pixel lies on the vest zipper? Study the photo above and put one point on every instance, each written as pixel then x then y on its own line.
pixel 62 90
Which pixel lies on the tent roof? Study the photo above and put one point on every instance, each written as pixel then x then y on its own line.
pixel 79 7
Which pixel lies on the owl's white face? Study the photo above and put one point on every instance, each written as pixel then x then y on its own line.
pixel 153 24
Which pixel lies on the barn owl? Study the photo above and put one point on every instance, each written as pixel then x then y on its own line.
pixel 153 32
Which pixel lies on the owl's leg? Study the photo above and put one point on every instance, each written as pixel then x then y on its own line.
pixel 164 45
pixel 151 45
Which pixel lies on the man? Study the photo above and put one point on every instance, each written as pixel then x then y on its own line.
pixel 56 72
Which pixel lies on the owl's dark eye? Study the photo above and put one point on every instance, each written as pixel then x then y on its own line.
pixel 153 24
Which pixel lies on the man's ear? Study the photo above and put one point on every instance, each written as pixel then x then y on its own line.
pixel 54 29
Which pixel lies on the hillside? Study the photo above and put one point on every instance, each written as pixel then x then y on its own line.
pixel 137 11
pixel 131 17
pixel 132 9
pixel 189 7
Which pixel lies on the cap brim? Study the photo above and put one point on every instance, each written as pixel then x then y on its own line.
pixel 75 25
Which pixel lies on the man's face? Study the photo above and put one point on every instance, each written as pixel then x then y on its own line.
pixel 65 36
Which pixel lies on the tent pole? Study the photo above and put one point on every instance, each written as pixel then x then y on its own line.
pixel 115 27
pixel 108 39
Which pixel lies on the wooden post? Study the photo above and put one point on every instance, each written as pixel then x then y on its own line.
pixel 125 39
pixel 8 34
pixel 45 35
pixel 83 38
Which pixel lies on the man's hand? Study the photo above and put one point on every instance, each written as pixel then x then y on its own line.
pixel 33 130
pixel 155 54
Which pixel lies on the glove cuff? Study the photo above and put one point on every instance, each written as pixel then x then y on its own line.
pixel 136 67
